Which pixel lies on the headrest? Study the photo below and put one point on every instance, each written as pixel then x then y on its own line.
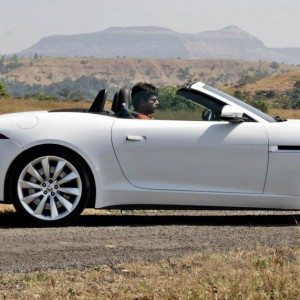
pixel 114 104
pixel 98 104
pixel 124 96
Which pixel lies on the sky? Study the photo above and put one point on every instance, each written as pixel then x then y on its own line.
pixel 24 22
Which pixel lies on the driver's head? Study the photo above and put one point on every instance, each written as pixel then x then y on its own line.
pixel 144 98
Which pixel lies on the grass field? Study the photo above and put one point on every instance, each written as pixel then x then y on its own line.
pixel 258 274
pixel 9 105
pixel 280 82
pixel 264 273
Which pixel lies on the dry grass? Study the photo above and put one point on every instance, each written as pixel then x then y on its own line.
pixel 258 274
pixel 285 113
pixel 280 82
pixel 160 71
pixel 17 105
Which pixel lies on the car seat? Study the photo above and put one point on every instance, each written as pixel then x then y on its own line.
pixel 121 103
pixel 99 102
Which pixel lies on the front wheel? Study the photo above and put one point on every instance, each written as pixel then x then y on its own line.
pixel 50 187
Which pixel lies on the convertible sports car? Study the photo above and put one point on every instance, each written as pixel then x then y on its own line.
pixel 56 163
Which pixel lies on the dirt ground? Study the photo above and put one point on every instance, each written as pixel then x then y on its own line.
pixel 107 238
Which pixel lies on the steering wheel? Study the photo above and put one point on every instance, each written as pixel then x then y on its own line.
pixel 207 115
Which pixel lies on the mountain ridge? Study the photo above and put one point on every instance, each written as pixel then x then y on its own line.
pixel 230 42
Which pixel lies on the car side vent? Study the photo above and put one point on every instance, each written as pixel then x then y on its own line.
pixel 290 148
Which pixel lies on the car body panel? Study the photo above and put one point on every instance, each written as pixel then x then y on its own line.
pixel 123 195
pixel 284 165
pixel 87 134
pixel 199 163
pixel 9 150
pixel 193 155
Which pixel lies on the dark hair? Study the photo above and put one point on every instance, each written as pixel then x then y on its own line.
pixel 142 90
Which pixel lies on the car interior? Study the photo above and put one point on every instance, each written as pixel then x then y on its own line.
pixel 119 108
pixel 122 101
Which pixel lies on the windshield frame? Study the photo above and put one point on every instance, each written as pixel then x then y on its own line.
pixel 225 98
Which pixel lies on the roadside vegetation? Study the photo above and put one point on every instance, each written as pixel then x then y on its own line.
pixel 174 110
pixel 266 99
pixel 263 273
pixel 258 274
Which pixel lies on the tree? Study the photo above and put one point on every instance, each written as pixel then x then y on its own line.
pixel 2 67
pixel 262 104
pixel 274 65
pixel 297 85
pixel 14 61
pixel 3 92
pixel 169 99
pixel 182 74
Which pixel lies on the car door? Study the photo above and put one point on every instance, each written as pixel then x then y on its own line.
pixel 199 156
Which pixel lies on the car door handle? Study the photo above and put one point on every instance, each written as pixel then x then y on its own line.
pixel 135 138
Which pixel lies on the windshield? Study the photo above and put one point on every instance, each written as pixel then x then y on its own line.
pixel 240 103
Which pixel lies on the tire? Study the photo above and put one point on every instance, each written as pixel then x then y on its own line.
pixel 50 186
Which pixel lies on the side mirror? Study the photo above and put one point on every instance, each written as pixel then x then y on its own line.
pixel 232 114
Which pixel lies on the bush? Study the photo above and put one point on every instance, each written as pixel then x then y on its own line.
pixel 45 97
pixel 297 85
pixel 168 99
pixel 274 65
pixel 262 104
pixel 3 92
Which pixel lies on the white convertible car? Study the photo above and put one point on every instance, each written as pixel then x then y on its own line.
pixel 56 163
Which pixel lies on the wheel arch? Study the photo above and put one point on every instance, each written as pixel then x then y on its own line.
pixel 9 174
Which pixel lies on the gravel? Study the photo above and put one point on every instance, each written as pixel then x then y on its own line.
pixel 107 239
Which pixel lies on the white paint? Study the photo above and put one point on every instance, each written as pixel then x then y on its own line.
pixel 175 162
pixel 27 122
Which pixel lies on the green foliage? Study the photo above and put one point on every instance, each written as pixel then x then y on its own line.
pixel 289 99
pixel 2 67
pixel 262 104
pixel 85 87
pixel 9 64
pixel 182 74
pixel 274 65
pixel 266 93
pixel 282 101
pixel 297 85
pixel 3 92
pixel 242 95
pixel 168 99
pixel 295 97
pixel 247 78
pixel 45 97
pixel 265 99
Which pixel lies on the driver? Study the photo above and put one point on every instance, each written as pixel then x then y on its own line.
pixel 144 100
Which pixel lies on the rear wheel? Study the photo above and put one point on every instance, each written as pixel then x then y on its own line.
pixel 50 187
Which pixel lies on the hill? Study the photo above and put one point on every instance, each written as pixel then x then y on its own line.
pixel 278 83
pixel 156 42
pixel 124 71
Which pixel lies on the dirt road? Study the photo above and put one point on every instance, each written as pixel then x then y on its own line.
pixel 108 239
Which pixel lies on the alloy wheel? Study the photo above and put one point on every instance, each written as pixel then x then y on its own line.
pixel 49 188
